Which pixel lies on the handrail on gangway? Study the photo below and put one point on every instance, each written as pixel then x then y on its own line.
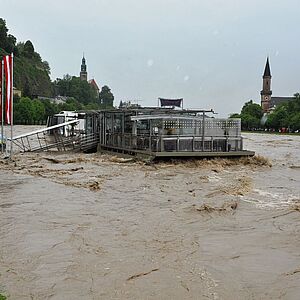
pixel 23 142
pixel 44 129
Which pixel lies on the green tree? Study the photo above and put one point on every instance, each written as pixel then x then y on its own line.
pixel 279 118
pixel 252 109
pixel 11 44
pixel 235 115
pixel 3 34
pixel 285 115
pixel 7 41
pixel 251 115
pixel 295 122
pixel 50 109
pixel 46 67
pixel 23 111
pixel 250 122
pixel 71 104
pixel 106 97
pixel 92 106
pixel 74 87
pixel 27 111
pixel 28 50
pixel 38 111
pixel 27 89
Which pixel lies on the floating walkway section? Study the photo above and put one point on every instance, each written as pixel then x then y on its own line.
pixel 61 137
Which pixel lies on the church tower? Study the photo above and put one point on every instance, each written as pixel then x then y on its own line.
pixel 266 89
pixel 83 72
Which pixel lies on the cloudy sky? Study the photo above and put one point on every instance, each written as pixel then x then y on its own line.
pixel 210 52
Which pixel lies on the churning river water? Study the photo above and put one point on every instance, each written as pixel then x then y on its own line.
pixel 92 226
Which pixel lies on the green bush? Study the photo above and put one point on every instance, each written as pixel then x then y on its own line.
pixel 2 297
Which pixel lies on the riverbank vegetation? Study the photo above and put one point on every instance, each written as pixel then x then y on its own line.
pixel 35 95
pixel 2 297
pixel 250 115
pixel 284 118
pixel 286 115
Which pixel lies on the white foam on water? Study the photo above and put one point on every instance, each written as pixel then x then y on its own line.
pixel 213 178
pixel 268 200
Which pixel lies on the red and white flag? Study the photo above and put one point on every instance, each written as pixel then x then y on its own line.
pixel 1 90
pixel 8 87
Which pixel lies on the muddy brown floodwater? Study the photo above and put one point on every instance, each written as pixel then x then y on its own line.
pixel 90 226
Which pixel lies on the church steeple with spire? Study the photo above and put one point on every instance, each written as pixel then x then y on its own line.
pixel 266 91
pixel 83 72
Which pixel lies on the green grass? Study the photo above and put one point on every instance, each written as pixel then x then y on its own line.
pixel 2 297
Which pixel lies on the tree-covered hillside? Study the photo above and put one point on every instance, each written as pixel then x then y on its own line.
pixel 31 73
pixel 32 78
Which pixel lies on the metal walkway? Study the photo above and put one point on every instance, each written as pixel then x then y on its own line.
pixel 40 140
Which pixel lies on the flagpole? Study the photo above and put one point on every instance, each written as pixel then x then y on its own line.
pixel 12 105
pixel 2 104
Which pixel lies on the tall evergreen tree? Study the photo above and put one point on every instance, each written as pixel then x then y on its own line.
pixel 106 97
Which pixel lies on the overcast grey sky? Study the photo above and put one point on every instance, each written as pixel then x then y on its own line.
pixel 210 52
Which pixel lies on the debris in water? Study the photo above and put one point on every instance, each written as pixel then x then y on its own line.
pixel 120 159
pixel 235 257
pixel 141 274
pixel 94 186
pixel 296 206
pixel 76 160
pixel 243 186
pixel 294 167
pixel 53 160
pixel 293 272
pixel 218 164
pixel 227 206
pixel 284 214
pixel 6 205
pixel 256 160
pixel 184 285
pixel 76 169
pixel 204 179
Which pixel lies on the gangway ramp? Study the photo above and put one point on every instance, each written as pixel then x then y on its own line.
pixel 41 140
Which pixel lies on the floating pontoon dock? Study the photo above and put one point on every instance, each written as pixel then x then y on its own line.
pixel 161 132
pixel 153 132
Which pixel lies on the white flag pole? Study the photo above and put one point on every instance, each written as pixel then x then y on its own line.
pixel 2 105
pixel 12 105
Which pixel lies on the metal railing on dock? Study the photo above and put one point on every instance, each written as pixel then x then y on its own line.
pixel 174 143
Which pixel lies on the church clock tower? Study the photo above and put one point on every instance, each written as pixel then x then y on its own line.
pixel 266 89
pixel 83 72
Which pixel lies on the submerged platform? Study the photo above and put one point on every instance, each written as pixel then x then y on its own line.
pixel 206 154
pixel 175 154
